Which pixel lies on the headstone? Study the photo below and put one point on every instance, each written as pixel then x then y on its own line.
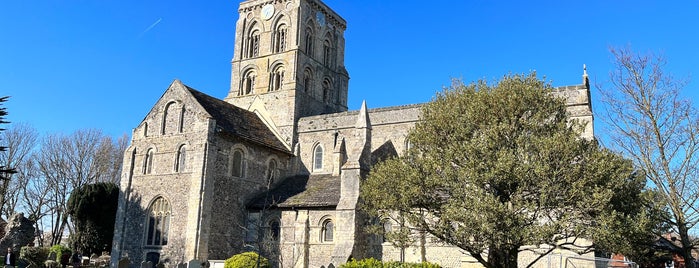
pixel 146 264
pixel 194 264
pixel 52 256
pixel 123 263
pixel 181 265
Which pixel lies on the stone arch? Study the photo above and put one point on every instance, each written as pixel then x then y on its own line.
pixel 272 169
pixel 308 79
pixel 237 161
pixel 148 158
pixel 157 222
pixel 171 117
pixel 273 224
pixel 328 49
pixel 253 39
pixel 247 81
pixel 309 37
pixel 328 92
pixel 280 34
pixel 327 229
pixel 181 158
pixel 276 75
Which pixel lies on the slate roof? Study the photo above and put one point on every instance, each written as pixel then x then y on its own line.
pixel 238 122
pixel 301 191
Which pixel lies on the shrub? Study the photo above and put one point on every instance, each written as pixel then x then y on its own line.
pixel 36 255
pixel 374 263
pixel 364 263
pixel 62 253
pixel 246 260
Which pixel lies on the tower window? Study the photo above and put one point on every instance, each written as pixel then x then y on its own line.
pixel 158 222
pixel 253 44
pixel 276 78
pixel 280 35
pixel 326 90
pixel 309 41
pixel 307 80
pixel 318 158
pixel 248 86
pixel 327 53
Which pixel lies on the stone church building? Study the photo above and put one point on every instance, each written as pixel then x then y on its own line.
pixel 276 165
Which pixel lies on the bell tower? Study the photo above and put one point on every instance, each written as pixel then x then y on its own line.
pixel 289 58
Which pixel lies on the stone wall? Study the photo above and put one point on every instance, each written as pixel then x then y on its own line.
pixel 184 125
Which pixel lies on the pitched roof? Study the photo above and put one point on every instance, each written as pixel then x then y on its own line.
pixel 301 191
pixel 238 122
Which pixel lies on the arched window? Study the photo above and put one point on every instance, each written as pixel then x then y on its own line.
pixel 145 129
pixel 276 78
pixel 272 171
pixel 181 159
pixel 237 163
pixel 170 114
pixel 309 41
pixel 280 35
pixel 253 43
pixel 248 85
pixel 158 222
pixel 148 162
pixel 327 51
pixel 327 90
pixel 274 230
pixel 326 233
pixel 387 228
pixel 318 158
pixel 308 80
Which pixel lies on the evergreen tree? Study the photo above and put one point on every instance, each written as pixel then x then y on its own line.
pixel 494 168
pixel 93 210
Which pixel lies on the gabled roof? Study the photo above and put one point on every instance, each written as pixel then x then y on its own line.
pixel 301 191
pixel 238 122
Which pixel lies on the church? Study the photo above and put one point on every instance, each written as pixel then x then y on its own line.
pixel 277 165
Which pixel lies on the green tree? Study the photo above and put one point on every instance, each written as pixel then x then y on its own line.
pixel 658 129
pixel 93 210
pixel 493 168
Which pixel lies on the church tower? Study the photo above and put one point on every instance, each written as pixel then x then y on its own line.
pixel 289 62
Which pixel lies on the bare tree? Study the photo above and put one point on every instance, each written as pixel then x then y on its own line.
pixel 34 195
pixel 20 139
pixel 108 159
pixel 655 126
pixel 69 162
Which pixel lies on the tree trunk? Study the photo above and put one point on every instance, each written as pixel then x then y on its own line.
pixel 503 257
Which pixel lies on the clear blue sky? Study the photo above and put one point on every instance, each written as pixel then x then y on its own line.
pixel 74 64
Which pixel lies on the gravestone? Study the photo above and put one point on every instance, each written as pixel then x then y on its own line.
pixel 181 265
pixel 146 264
pixel 194 264
pixel 123 263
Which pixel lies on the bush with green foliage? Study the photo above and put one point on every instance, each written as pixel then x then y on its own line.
pixel 374 263
pixel 35 255
pixel 61 253
pixel 246 260
pixel 93 210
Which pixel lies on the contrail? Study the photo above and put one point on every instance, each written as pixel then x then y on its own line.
pixel 150 27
